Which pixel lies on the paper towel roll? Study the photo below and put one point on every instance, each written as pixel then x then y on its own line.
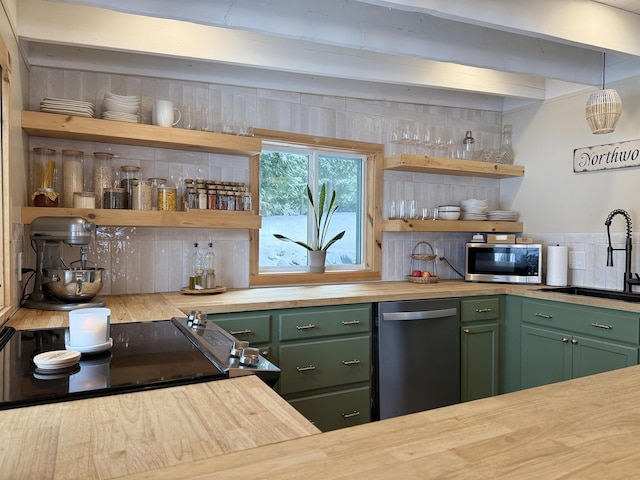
pixel 557 265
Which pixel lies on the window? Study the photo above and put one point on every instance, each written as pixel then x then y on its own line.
pixel 285 171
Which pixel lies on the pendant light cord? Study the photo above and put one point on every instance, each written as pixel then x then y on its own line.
pixel 603 68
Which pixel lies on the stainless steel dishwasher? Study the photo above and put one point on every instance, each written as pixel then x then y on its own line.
pixel 417 356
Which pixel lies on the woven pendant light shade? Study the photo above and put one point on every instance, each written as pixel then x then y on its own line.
pixel 604 108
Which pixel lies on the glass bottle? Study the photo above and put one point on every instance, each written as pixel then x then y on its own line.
pixel 506 155
pixel 72 175
pixel 468 146
pixel 210 267
pixel 103 175
pixel 195 264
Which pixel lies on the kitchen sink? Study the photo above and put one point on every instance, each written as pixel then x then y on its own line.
pixel 598 293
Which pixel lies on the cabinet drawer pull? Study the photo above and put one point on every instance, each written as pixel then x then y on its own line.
pixel 466 330
pixel 350 362
pixel 351 322
pixel 355 413
pixel 305 327
pixel 565 340
pixel 305 369
pixel 574 341
pixel 240 332
pixel 543 315
pixel 600 325
pixel 483 310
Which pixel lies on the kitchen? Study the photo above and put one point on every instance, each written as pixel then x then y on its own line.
pixel 548 169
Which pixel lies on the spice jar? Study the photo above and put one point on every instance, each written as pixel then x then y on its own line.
pixel 202 198
pixel 212 198
pixel 167 198
pixel 44 174
pixel 141 195
pixel 103 175
pixel 246 201
pixel 84 200
pixel 129 174
pixel 113 198
pixel 72 175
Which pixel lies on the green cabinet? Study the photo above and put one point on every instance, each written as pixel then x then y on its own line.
pixel 562 341
pixel 482 322
pixel 325 363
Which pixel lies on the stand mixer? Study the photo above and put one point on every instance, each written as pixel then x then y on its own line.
pixel 58 286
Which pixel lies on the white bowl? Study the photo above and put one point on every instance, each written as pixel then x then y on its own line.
pixel 448 215
pixel 449 208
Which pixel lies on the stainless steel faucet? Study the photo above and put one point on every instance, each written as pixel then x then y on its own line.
pixel 630 279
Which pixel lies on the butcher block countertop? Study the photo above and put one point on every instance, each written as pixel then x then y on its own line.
pixel 108 437
pixel 586 428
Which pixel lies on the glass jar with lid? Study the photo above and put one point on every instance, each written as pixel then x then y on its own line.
pixel 156 182
pixel 129 173
pixel 72 175
pixel 167 198
pixel 84 200
pixel 113 198
pixel 44 175
pixel 141 195
pixel 103 175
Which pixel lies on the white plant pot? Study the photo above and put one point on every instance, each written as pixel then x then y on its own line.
pixel 317 260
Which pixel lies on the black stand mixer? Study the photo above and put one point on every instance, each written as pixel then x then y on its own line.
pixel 58 286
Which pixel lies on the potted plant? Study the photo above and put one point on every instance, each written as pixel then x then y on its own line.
pixel 322 214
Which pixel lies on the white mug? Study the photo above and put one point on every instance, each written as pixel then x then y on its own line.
pixel 164 113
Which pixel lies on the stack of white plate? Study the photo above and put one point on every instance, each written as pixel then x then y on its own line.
pixel 63 106
pixel 123 108
pixel 503 215
pixel 473 209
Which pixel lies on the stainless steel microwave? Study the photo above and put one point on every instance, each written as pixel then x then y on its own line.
pixel 503 263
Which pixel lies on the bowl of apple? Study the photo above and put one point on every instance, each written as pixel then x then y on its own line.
pixel 422 276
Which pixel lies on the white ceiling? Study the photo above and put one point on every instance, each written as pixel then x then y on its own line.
pixel 494 54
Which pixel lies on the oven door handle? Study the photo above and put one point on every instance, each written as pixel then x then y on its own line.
pixel 420 315
pixel 5 334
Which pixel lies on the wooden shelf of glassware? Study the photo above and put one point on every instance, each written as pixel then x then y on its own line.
pixel 96 130
pixel 448 166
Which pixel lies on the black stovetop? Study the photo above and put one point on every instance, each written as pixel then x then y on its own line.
pixel 144 355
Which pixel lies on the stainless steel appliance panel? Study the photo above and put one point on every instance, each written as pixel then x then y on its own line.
pixel 417 356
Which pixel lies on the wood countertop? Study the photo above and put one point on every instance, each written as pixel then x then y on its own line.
pixel 108 437
pixel 161 306
pixel 587 428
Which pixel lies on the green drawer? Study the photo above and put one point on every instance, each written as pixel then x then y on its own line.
pixel 315 322
pixel 252 327
pixel 596 322
pixel 326 363
pixel 479 309
pixel 341 409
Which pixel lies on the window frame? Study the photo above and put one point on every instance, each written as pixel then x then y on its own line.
pixel 6 280
pixel 372 244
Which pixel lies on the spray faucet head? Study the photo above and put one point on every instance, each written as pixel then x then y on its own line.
pixel 609 256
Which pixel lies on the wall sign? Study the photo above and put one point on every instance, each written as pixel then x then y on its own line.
pixel 607 157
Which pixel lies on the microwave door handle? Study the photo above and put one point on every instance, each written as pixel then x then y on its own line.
pixel 420 315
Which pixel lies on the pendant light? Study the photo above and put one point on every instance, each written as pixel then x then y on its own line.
pixel 603 108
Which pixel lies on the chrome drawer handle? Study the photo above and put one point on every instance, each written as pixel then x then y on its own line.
pixel 305 369
pixel 240 332
pixel 543 315
pixel 355 413
pixel 565 340
pixel 350 362
pixel 574 341
pixel 466 330
pixel 305 327
pixel 351 322
pixel 483 310
pixel 599 325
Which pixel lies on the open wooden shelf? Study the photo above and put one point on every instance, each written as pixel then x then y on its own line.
pixel 448 166
pixel 146 218
pixel 107 131
pixel 481 226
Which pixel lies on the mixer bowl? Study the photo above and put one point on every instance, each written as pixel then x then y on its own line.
pixel 73 285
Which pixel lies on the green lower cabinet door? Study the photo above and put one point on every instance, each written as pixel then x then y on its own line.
pixel 330 411
pixel 480 359
pixel 596 356
pixel 546 356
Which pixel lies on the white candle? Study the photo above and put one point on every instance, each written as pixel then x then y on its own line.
pixel 89 326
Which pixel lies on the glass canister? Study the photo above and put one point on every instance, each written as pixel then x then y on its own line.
pixel 84 200
pixel 103 175
pixel 44 176
pixel 155 183
pixel 167 198
pixel 129 173
pixel 72 175
pixel 506 155
pixel 113 198
pixel 141 195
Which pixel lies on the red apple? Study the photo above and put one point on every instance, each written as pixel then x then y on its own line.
pixel 416 273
